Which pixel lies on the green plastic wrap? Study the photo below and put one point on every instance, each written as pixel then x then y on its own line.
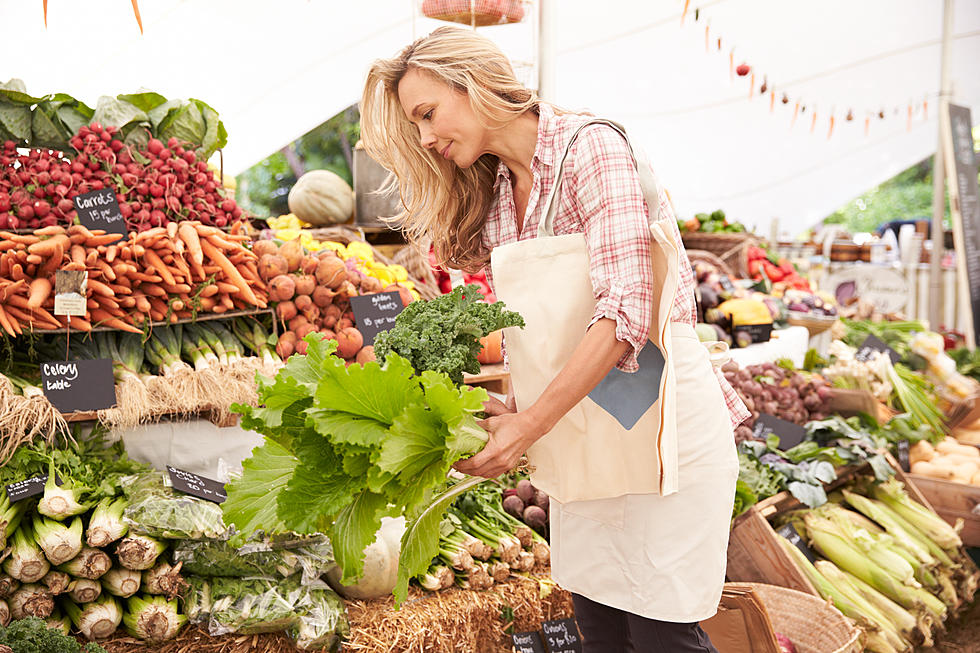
pixel 160 511
pixel 311 556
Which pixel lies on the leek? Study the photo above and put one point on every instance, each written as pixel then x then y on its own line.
pixel 233 348
pixel 139 552
pixel 59 502
pixel 89 563
pixel 121 582
pixel 26 562
pixel 31 601
pixel 892 493
pixel 197 351
pixel 57 582
pixel 154 619
pixel 60 543
pixel 106 524
pixel 255 338
pixel 97 619
pixel 84 590
pixel 164 579
pixel 438 577
pixel 58 621
pixel 8 585
pixel 208 339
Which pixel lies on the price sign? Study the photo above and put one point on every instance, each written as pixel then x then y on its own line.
pixel 562 636
pixel 790 533
pixel 790 434
pixel 726 283
pixel 29 487
pixel 69 292
pixel 529 642
pixel 903 455
pixel 874 344
pixel 79 385
pixel 197 486
pixel 375 313
pixel 99 209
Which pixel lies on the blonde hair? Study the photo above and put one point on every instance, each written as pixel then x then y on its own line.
pixel 442 201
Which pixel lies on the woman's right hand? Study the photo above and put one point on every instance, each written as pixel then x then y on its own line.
pixel 493 406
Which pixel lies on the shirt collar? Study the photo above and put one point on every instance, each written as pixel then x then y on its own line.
pixel 544 150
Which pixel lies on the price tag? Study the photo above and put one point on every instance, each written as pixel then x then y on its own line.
pixel 562 636
pixel 29 487
pixel 790 434
pixel 69 292
pixel 99 209
pixel 726 283
pixel 197 486
pixel 790 533
pixel 81 385
pixel 903 455
pixel 529 642
pixel 375 313
pixel 874 344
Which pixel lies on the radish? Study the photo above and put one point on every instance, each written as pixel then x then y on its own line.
pixel 154 146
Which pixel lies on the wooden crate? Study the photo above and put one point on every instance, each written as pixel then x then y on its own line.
pixel 853 402
pixel 755 556
pixel 953 501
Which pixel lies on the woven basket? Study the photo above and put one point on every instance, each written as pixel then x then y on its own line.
pixel 812 624
pixel 477 13
pixel 730 248
pixel 815 324
pixel 704 256
pixel 427 288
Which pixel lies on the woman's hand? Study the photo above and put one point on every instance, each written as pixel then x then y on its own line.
pixel 494 406
pixel 511 434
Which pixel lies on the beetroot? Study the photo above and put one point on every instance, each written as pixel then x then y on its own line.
pixel 514 506
pixel 535 517
pixel 525 490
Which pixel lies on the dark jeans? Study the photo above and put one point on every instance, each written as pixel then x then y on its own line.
pixel 610 630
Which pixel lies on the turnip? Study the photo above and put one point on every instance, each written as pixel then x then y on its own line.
pixel 332 316
pixel 305 284
pixel 304 331
pixel 263 247
pixel 322 296
pixel 297 322
pixel 365 355
pixel 303 302
pixel 271 266
pixel 286 345
pixel 331 272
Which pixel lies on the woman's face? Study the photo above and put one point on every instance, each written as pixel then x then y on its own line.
pixel 446 122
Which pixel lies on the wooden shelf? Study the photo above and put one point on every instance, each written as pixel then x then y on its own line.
pixel 201 317
pixel 492 377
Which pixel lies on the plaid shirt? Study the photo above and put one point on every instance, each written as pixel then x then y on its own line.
pixel 601 197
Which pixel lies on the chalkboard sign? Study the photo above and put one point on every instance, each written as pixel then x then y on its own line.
pixel 197 486
pixel 903 455
pixel 29 487
pixel 100 210
pixel 79 385
pixel 790 434
pixel 726 283
pixel 375 313
pixel 964 174
pixel 562 636
pixel 790 533
pixel 529 642
pixel 874 344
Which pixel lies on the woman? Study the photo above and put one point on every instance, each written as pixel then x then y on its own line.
pixel 484 166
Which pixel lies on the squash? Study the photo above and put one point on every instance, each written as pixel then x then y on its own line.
pixel 380 564
pixel 491 350
pixel 321 198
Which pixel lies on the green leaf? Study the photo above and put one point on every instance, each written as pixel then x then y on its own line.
pixel 346 428
pixel 319 488
pixel 354 530
pixel 252 499
pixel 420 542
pixel 15 92
pixel 145 101
pixel 369 391
pixel 415 442
pixel 16 121
pixel 214 137
pixel 112 111
pixel 47 130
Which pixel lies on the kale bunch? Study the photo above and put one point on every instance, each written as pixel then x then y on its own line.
pixel 443 334
pixel 32 635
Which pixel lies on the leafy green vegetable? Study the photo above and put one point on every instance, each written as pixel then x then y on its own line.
pixel 32 635
pixel 761 480
pixel 159 511
pixel 313 556
pixel 375 441
pixel 443 334
pixel 745 498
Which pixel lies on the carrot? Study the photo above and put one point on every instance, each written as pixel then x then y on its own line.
pixel 9 289
pixel 35 259
pixel 91 303
pixel 177 304
pixel 226 288
pixel 124 281
pixel 227 302
pixel 53 230
pixel 190 238
pixel 219 308
pixel 209 291
pixel 77 253
pixel 47 246
pixel 40 291
pixel 176 288
pixel 23 239
pixel 91 257
pixel 5 323
pixel 153 259
pixel 231 272
pixel 16 271
pixel 181 265
pixel 105 239
pixel 125 253
pixel 7 244
pixel 152 233
pixel 5 262
pixel 172 230
pixel 127 302
pixel 120 290
pixel 74 266
pixel 146 278
pixel 138 251
pixel 221 243
pixel 18 317
pixel 153 290
pixel 102 317
pixel 107 271
pixel 99 288
pixel 53 263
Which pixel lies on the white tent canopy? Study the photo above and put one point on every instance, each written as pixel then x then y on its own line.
pixel 274 70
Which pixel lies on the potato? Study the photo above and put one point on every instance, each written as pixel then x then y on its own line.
pixel 921 450
pixel 928 469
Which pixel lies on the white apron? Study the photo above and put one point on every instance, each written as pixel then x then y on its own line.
pixel 641 472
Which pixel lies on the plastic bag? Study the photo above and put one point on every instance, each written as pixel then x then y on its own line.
pixel 197 599
pixel 160 511
pixel 322 623
pixel 310 556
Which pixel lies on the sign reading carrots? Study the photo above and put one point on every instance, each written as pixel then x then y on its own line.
pixel 99 209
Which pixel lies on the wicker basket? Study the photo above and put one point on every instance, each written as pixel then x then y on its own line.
pixel 812 624
pixel 477 13
pixel 815 324
pixel 730 248
pixel 704 256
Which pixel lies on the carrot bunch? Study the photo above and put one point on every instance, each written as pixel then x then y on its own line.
pixel 161 274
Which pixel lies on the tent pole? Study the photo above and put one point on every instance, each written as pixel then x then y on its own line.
pixel 546 50
pixel 939 176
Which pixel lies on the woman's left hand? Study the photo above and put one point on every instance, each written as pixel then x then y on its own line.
pixel 511 434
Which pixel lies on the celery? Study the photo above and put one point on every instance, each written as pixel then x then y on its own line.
pixel 60 502
pixel 60 543
pixel 89 563
pixel 98 619
pixel 31 601
pixel 153 619
pixel 139 552
pixel 121 582
pixel 26 562
pixel 106 524
pixel 84 590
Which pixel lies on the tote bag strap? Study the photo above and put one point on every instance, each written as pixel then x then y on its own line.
pixel 647 182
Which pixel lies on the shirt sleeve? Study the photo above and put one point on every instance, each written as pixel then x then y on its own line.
pixel 616 226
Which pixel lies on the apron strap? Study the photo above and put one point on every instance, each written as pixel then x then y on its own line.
pixel 647 182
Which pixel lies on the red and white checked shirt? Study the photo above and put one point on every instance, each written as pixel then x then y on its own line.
pixel 601 197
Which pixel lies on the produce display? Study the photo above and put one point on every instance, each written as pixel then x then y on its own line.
pixel 777 390
pixel 711 223
pixel 764 266
pixel 321 198
pixel 948 460
pixel 528 504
